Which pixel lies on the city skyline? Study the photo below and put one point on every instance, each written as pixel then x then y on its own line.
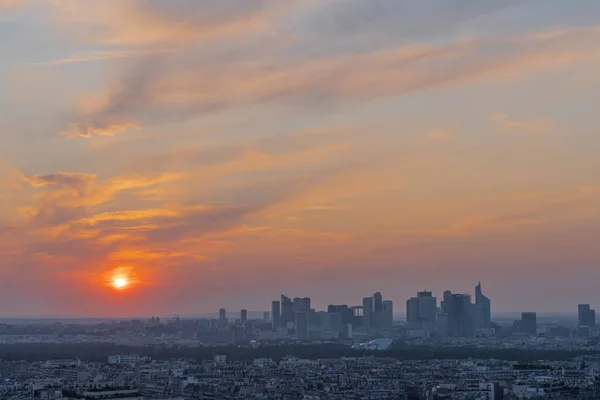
pixel 482 311
pixel 162 157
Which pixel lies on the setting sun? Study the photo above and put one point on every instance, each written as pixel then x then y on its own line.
pixel 120 283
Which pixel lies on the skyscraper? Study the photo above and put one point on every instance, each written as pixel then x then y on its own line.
pixel 334 322
pixel 586 315
pixel 244 316
pixel 266 316
pixel 346 312
pixel 460 319
pixel 302 324
pixel 301 304
pixel 367 318
pixel 421 311
pixel 377 302
pixel 387 313
pixel 483 309
pixel 287 310
pixel 275 314
pixel 222 318
pixel 529 323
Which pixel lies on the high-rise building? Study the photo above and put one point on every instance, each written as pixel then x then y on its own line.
pixel 377 303
pixel 334 322
pixel 387 313
pixel 346 312
pixel 266 316
pixel 586 315
pixel 302 324
pixel 483 309
pixel 287 310
pixel 244 316
pixel 446 302
pixel 367 312
pixel 301 304
pixel 222 318
pixel 529 323
pixel 459 311
pixel 421 311
pixel 275 314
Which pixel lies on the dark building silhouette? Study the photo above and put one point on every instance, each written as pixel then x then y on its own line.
pixel 301 304
pixel 244 316
pixel 586 315
pixel 287 310
pixel 346 312
pixel 460 318
pixel 276 314
pixel 222 318
pixel 421 311
pixel 482 313
pixel 302 324
pixel 377 303
pixel 528 323
pixel 367 312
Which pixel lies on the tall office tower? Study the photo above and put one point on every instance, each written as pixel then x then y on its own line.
pixel 302 324
pixel 377 302
pixel 222 319
pixel 421 311
pixel 287 310
pixel 367 312
pixel 529 323
pixel 275 315
pixel 387 313
pixel 346 312
pixel 244 316
pixel 483 309
pixel 460 319
pixel 586 315
pixel 334 322
pixel 307 303
pixel 301 304
pixel 446 302
pixel 266 316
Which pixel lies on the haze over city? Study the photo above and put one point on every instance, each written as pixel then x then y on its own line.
pixel 177 157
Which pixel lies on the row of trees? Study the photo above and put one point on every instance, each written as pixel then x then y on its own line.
pixel 100 352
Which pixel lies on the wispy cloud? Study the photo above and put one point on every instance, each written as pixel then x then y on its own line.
pixel 192 87
pixel 530 126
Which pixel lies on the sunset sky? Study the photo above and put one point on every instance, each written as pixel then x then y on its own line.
pixel 218 153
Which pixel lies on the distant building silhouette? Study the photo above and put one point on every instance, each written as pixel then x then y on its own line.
pixel 482 313
pixel 275 314
pixel 367 312
pixel 302 324
pixel 377 303
pixel 222 318
pixel 586 315
pixel 287 310
pixel 528 323
pixel 421 311
pixel 458 308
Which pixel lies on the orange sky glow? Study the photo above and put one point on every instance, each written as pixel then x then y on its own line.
pixel 161 158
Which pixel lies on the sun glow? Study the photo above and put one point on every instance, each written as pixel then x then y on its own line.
pixel 120 283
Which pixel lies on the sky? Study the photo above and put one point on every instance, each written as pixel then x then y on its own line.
pixel 220 153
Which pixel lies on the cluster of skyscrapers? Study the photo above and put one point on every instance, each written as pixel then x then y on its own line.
pixel 287 315
pixel 457 316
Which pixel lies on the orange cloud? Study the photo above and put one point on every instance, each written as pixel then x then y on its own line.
pixel 72 190
pixel 89 129
pixel 531 126
pixel 126 23
pixel 189 85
